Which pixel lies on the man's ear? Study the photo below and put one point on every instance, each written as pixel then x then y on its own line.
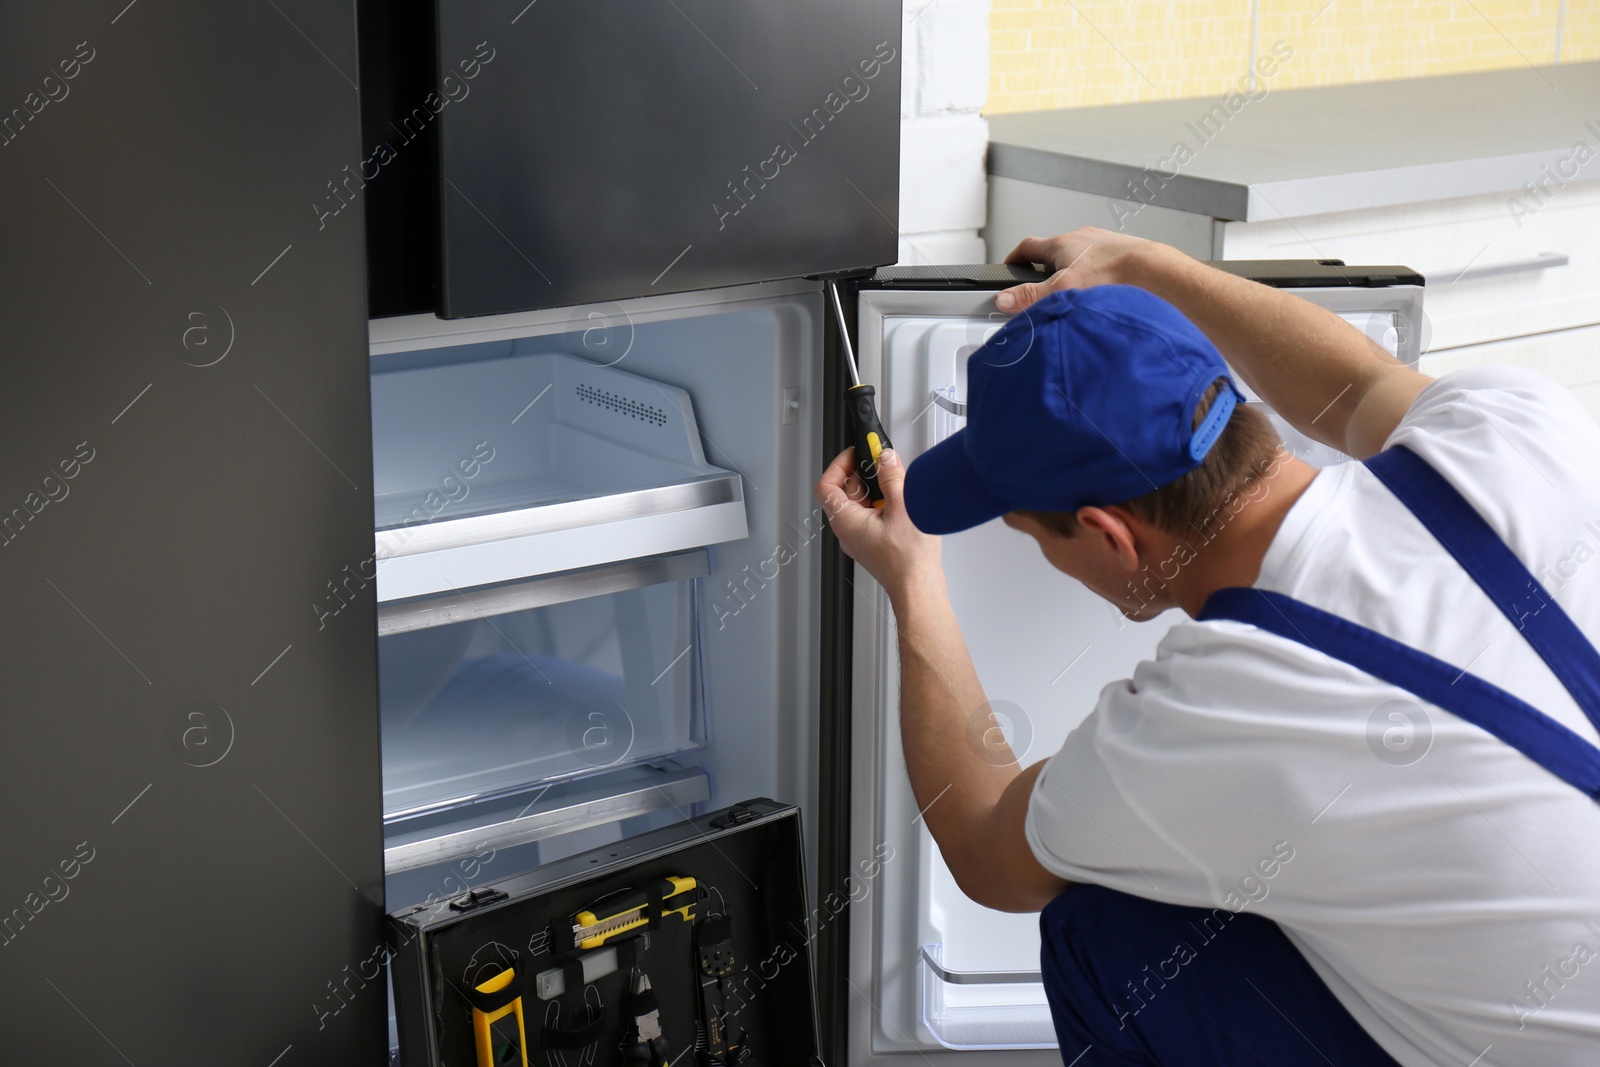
pixel 1110 528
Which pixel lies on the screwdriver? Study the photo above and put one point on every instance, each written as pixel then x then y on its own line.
pixel 866 429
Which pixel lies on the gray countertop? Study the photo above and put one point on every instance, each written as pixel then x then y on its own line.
pixel 1295 152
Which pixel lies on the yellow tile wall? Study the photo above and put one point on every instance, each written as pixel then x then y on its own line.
pixel 1076 53
pixel 1581 35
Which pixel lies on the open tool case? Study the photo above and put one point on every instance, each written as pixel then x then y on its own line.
pixel 545 968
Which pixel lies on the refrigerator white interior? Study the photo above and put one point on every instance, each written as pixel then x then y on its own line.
pixel 735 374
pixel 1044 647
pixel 713 673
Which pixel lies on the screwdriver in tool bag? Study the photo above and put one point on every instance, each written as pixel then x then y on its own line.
pixel 866 429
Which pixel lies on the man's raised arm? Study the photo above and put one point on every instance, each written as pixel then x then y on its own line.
pixel 1327 378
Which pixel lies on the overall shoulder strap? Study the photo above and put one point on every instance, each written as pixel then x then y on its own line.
pixel 1456 525
pixel 1520 725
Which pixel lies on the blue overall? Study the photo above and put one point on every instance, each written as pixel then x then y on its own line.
pixel 1250 997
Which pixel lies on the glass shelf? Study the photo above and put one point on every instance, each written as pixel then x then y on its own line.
pixel 541 814
pixel 539 682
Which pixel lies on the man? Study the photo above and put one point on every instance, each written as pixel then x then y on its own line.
pixel 1326 824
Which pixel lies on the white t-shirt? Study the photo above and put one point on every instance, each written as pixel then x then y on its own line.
pixel 1444 886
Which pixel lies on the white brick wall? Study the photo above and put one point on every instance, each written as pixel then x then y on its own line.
pixel 944 83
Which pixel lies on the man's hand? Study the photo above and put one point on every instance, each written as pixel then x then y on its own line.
pixel 1327 378
pixel 982 799
pixel 883 540
pixel 1082 258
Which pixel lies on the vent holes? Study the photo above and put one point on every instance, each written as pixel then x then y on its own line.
pixel 622 405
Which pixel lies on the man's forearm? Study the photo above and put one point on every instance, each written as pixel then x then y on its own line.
pixel 958 761
pixel 1308 364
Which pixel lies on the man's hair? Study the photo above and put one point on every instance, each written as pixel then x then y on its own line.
pixel 1245 450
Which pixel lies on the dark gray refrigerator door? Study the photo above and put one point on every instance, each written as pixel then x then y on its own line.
pixel 189 776
pixel 607 149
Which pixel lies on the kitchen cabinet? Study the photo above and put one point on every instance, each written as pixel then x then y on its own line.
pixel 1571 357
pixel 1487 183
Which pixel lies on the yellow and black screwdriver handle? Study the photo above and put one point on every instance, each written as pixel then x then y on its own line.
pixel 861 405
pixel 868 436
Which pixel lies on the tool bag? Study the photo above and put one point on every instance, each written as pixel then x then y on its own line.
pixel 685 945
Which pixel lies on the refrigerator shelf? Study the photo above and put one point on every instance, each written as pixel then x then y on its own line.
pixel 517 819
pixel 508 468
pixel 542 591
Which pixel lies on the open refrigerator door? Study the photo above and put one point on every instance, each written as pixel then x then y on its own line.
pixel 934 972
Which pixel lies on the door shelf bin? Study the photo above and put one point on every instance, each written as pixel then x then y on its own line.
pixel 488 693
pixel 983 1009
pixel 505 468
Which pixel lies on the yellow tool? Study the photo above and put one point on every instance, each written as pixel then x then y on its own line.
pixel 632 909
pixel 866 429
pixel 484 1019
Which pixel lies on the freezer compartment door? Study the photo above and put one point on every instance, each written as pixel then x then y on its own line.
pixel 609 149
pixel 938 971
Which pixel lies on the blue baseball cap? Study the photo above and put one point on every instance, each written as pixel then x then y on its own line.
pixel 1085 398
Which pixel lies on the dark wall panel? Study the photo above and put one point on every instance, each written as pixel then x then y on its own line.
pixel 190 772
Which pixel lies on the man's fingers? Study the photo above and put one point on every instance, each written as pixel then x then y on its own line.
pixel 1031 250
pixel 1021 297
pixel 1018 296
pixel 833 501
pixel 839 471
pixel 1046 250
pixel 891 475
pixel 830 487
pixel 839 485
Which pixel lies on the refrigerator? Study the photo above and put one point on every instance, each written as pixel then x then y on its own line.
pixel 409 486
pixel 669 639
